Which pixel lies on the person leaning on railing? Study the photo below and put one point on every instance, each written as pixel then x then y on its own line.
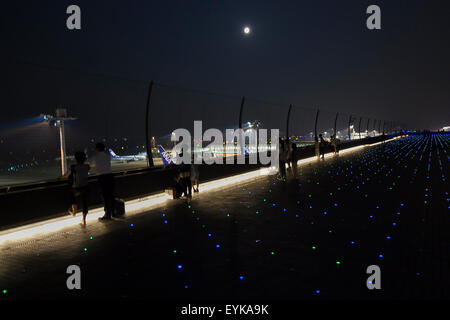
pixel 101 160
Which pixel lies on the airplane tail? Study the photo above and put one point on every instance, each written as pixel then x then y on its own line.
pixel 113 155
pixel 165 156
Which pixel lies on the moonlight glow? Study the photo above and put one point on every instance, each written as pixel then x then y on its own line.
pixel 246 30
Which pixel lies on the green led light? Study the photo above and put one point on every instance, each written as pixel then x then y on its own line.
pixel 313 247
pixel 91 238
pixel 174 251
pixel 85 249
pixel 338 262
pixel 272 253
pixel 5 291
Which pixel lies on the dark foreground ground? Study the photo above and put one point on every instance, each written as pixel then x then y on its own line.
pixel 306 238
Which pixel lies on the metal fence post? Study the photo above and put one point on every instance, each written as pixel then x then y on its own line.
pixel 241 110
pixel 349 122
pixel 287 121
pixel 335 122
pixel 316 139
pixel 359 128
pixel 147 127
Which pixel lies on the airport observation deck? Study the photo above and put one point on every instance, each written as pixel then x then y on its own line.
pixel 307 238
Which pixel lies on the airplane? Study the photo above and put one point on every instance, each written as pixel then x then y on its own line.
pixel 165 156
pixel 168 159
pixel 141 156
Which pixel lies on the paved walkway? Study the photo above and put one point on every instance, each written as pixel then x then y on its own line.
pixel 306 238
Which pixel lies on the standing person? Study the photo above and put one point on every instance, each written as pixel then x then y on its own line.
pixel 294 159
pixel 282 159
pixel 102 162
pixel 322 146
pixel 338 143
pixel 78 177
pixel 333 142
pixel 194 175
pixel 184 174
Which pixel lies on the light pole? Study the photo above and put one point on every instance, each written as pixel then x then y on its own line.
pixel 58 121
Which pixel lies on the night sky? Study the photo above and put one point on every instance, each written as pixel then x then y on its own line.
pixel 308 53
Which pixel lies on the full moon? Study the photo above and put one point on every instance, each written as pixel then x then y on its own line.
pixel 246 30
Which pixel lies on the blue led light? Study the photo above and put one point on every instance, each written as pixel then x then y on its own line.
pixel 217 245
pixel 241 277
pixel 180 266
